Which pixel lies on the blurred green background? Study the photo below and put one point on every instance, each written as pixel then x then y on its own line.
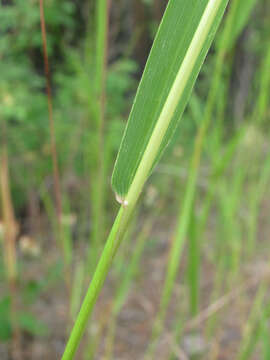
pixel 220 305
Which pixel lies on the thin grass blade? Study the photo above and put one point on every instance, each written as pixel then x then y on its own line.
pixel 180 47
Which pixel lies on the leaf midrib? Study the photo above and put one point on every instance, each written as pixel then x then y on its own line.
pixel 173 98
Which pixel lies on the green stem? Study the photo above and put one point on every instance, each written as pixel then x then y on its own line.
pixel 194 264
pixel 112 244
pixel 97 111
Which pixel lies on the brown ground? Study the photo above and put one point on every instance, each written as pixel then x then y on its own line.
pixel 135 320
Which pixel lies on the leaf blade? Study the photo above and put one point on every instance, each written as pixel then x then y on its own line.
pixel 177 54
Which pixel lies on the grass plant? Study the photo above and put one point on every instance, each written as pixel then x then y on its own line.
pixel 128 185
pixel 206 222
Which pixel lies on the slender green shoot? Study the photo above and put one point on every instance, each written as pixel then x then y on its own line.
pixel 200 35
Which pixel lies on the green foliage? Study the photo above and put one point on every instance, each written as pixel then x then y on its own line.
pixel 26 321
pixel 5 324
pixel 32 325
pixel 222 192
pixel 24 102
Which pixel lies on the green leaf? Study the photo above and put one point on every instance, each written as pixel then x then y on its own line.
pixel 179 49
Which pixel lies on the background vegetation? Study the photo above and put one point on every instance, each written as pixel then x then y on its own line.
pixel 200 240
